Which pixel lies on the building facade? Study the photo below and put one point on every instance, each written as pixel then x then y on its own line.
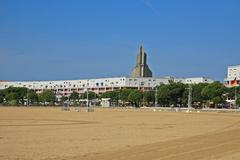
pixel 100 85
pixel 194 80
pixel 233 76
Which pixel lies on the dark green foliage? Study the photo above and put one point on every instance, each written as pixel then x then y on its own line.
pixel 238 101
pixel 114 95
pixel 1 96
pixel 47 97
pixel 135 97
pixel 149 97
pixel 172 94
pixel 18 96
pixel 64 98
pixel 197 93
pixel 176 94
pixel 91 95
pixel 163 94
pixel 124 93
pixel 74 96
pixel 214 93
pixel 32 97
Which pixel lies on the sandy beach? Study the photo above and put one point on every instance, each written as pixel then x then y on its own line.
pixel 126 134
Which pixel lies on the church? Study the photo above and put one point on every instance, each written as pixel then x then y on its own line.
pixel 141 69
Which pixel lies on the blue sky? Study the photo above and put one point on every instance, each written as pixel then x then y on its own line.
pixel 72 39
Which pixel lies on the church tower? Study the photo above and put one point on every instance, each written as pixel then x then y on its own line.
pixel 141 69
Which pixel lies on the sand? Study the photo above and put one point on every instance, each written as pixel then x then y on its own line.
pixel 121 134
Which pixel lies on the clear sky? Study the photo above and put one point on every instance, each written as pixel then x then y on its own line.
pixel 72 39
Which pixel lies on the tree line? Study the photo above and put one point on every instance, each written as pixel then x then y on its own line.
pixel 24 96
pixel 176 95
pixel 167 95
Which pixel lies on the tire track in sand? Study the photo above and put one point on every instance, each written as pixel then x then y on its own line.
pixel 207 146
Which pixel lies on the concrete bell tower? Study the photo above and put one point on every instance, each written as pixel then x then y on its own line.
pixel 141 69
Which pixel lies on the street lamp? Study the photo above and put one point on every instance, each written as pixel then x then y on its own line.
pixel 87 99
pixel 236 97
pixel 190 96
pixel 156 103
pixel 27 97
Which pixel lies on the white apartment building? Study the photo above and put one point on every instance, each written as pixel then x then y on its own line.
pixel 194 80
pixel 233 76
pixel 100 85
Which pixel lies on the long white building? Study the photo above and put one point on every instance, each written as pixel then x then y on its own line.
pixel 100 85
pixel 194 80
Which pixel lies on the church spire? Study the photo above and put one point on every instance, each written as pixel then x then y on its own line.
pixel 141 69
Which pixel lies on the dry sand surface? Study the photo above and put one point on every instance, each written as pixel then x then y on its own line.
pixel 108 134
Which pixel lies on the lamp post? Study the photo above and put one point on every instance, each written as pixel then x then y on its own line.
pixel 27 97
pixel 87 99
pixel 235 98
pixel 156 103
pixel 190 96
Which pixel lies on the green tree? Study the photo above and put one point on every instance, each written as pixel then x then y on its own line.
pixel 214 93
pixel 91 95
pixel 196 93
pixel 32 96
pixel 124 93
pixel 2 96
pixel 218 100
pixel 230 92
pixel 114 95
pixel 176 93
pixel 163 94
pixel 16 95
pixel 238 102
pixel 11 98
pixel 74 96
pixel 135 97
pixel 149 97
pixel 64 98
pixel 47 96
